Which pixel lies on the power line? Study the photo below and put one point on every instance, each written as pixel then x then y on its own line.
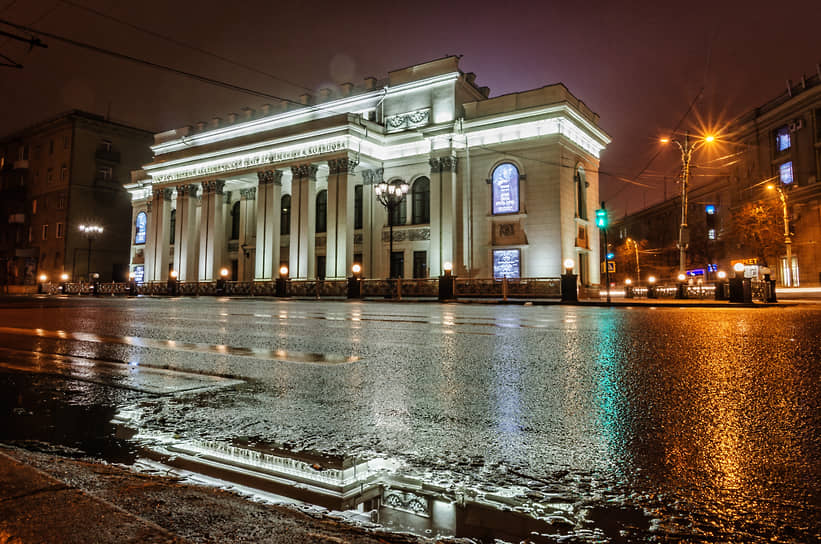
pixel 183 44
pixel 122 56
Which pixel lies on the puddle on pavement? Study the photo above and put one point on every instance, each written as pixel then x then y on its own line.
pixel 35 415
pixel 368 492
pixel 138 341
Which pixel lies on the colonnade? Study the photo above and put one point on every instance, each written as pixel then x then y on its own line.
pixel 200 248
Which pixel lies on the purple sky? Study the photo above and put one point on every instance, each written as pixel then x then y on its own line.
pixel 638 64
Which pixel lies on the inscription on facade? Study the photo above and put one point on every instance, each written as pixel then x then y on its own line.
pixel 249 161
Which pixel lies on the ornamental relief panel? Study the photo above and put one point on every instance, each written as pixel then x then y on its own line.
pixel 412 235
pixel 405 121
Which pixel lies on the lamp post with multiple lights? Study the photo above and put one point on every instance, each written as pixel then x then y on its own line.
pixel 391 195
pixel 787 240
pixel 91 232
pixel 687 148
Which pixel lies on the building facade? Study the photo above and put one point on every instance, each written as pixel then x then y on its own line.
pixel 503 186
pixel 773 150
pixel 58 175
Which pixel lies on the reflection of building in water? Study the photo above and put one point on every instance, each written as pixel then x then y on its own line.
pixel 295 184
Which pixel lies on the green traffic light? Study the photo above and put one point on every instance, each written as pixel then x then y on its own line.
pixel 601 218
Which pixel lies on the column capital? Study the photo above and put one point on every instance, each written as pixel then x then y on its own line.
pixel 304 171
pixel 448 163
pixel 270 176
pixel 248 194
pixel 188 189
pixel 163 193
pixel 372 177
pixel 215 186
pixel 345 165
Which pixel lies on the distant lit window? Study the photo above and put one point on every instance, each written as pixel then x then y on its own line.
pixel 785 173
pixel 711 234
pixel 45 232
pixel 60 230
pixel 141 225
pixel 34 207
pixel 782 139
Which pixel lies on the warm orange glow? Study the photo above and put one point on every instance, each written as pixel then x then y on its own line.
pixel 224 272
pixel 356 268
pixel 64 277
pixel 173 274
pixel 770 186
pixel 628 281
pixel 709 138
pixel 651 279
pixel 283 271
pixel 43 277
pixel 665 140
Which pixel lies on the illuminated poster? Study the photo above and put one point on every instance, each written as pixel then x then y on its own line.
pixel 506 263
pixel 139 274
pixel 142 221
pixel 505 189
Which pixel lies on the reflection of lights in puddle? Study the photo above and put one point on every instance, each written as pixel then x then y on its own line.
pixel 414 504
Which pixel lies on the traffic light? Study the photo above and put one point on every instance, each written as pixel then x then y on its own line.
pixel 601 218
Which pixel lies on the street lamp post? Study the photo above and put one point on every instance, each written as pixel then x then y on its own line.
pixel 687 150
pixel 638 268
pixel 90 232
pixel 787 240
pixel 391 196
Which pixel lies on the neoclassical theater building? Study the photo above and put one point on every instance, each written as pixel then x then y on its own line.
pixel 497 187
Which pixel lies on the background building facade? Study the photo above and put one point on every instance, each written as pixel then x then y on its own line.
pixel 771 151
pixel 56 176
pixel 496 187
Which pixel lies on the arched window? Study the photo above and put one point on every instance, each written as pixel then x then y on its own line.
pixel 141 224
pixel 357 207
pixel 235 221
pixel 420 194
pixel 285 215
pixel 505 183
pixel 400 213
pixel 172 227
pixel 322 211
pixel 581 193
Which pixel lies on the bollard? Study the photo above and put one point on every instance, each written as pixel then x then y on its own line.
pixel 447 287
pixel 171 287
pixel 651 291
pixel 769 289
pixel 354 287
pixel 721 290
pixel 281 287
pixel 570 291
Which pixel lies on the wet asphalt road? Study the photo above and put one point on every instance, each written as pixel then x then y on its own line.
pixel 670 424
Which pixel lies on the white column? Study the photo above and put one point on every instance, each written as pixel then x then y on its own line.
pixel 303 221
pixel 371 225
pixel 158 244
pixel 339 248
pixel 212 230
pixel 247 233
pixel 443 202
pixel 185 237
pixel 269 195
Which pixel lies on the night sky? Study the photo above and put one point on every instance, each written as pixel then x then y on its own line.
pixel 639 65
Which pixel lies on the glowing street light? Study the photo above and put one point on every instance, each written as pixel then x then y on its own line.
pixel 687 148
pixel 638 268
pixel 722 274
pixel 787 240
pixel 90 232
pixel 391 195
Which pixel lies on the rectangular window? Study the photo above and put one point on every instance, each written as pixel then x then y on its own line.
pixel 61 204
pixel 60 230
pixel 45 232
pixel 105 145
pixel 34 207
pixel 506 263
pixel 782 139
pixel 420 264
pixel 104 172
pixel 398 264
pixel 785 173
pixel 63 174
pixel 357 207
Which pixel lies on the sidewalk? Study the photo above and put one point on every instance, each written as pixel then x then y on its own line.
pixel 48 498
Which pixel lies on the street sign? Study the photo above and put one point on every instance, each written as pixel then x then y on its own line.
pixel 611 267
